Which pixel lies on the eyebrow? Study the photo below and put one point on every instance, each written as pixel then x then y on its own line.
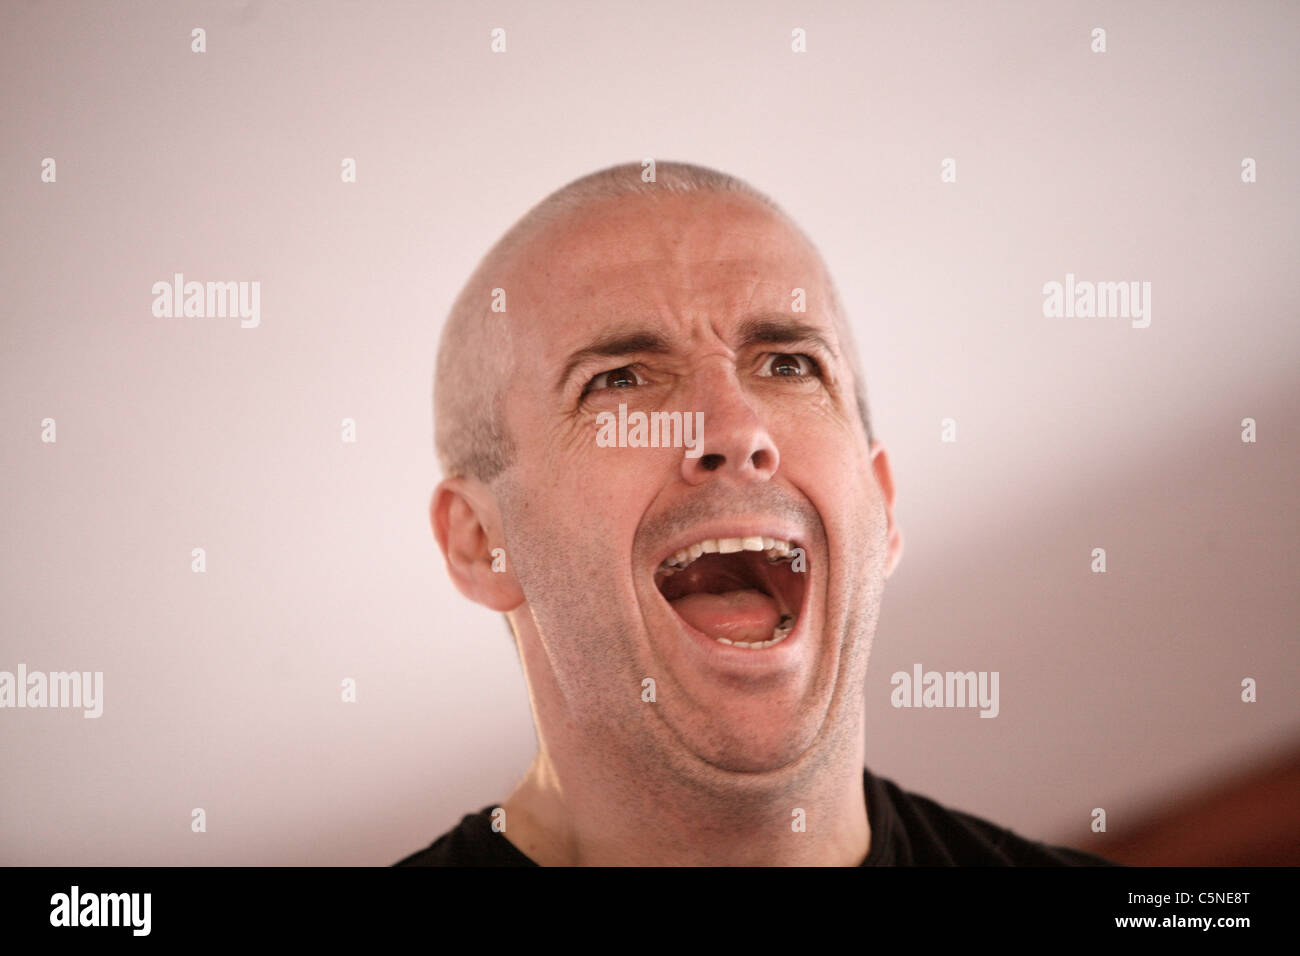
pixel 775 328
pixel 772 328
pixel 613 344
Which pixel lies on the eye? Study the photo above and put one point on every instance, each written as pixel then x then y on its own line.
pixel 625 377
pixel 789 365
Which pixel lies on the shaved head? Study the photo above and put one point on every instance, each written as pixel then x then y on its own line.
pixel 692 297
pixel 476 352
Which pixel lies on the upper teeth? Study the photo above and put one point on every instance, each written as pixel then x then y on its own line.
pixel 775 548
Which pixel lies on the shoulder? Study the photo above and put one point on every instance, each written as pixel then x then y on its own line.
pixel 923 832
pixel 472 842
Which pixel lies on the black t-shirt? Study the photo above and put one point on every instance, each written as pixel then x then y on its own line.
pixel 906 830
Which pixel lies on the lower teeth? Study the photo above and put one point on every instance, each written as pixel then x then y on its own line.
pixel 779 634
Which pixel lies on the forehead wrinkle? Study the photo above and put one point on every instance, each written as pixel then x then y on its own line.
pixel 576 242
pixel 615 342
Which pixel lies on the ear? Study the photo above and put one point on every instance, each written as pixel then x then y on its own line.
pixel 466 523
pixel 880 467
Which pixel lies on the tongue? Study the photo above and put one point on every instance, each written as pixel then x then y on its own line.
pixel 748 615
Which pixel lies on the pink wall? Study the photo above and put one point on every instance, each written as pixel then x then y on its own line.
pixel 221 690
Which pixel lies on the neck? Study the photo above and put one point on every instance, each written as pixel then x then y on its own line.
pixel 587 807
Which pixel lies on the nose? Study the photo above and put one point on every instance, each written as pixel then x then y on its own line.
pixel 734 441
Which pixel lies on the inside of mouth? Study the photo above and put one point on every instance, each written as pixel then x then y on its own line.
pixel 744 598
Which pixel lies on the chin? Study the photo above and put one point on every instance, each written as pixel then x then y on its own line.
pixel 734 743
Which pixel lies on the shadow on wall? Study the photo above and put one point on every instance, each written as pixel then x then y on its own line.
pixel 1252 819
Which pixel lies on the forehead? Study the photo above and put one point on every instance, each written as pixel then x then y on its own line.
pixel 679 260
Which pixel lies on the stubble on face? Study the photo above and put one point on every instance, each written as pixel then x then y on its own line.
pixel 577 522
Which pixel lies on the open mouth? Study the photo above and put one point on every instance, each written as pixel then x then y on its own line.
pixel 744 592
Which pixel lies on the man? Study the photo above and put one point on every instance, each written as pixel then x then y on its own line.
pixel 693 602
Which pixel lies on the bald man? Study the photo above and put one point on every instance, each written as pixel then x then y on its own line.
pixel 660 468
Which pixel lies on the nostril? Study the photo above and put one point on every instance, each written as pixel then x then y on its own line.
pixel 712 462
pixel 762 459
